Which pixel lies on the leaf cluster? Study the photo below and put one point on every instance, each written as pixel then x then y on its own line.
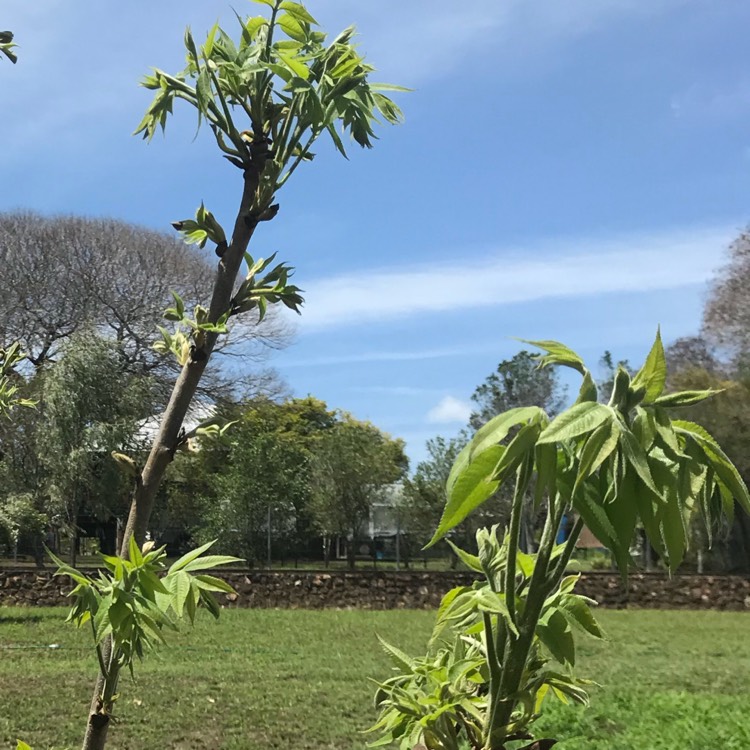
pixel 132 603
pixel 269 97
pixel 445 699
pixel 201 229
pixel 615 465
pixel 612 466
pixel 256 293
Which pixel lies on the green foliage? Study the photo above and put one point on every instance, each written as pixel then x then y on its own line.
pixel 91 407
pixel 352 462
pixel 446 699
pixel 10 358
pixel 301 466
pixel 130 606
pixel 269 289
pixel 432 699
pixel 19 515
pixel 7 45
pixel 261 471
pixel 613 466
pixel 424 494
pixel 517 382
pixel 203 228
pixel 269 97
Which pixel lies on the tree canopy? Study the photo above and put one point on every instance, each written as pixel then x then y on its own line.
pixel 517 381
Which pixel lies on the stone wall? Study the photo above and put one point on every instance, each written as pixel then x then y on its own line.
pixel 409 590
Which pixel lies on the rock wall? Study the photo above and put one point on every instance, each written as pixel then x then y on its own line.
pixel 408 590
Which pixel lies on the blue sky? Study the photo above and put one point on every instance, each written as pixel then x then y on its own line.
pixel 567 170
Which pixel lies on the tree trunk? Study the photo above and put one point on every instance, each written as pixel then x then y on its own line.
pixel 351 553
pixel 74 547
pixel 96 731
pixel 166 441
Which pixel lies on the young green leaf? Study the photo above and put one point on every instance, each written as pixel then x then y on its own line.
pixel 469 560
pixel 633 453
pixel 498 428
pixel 519 449
pixel 398 656
pixel 578 420
pixel 578 611
pixel 473 486
pixel 653 375
pixel 598 448
pixel 555 633
pixel 725 470
pixel 588 390
pixel 685 398
pixel 190 556
pixel 210 561
pixel 298 11
pixel 557 354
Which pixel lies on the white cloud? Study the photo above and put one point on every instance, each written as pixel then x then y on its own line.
pixel 704 102
pixel 392 356
pixel 505 276
pixel 450 410
pixel 394 390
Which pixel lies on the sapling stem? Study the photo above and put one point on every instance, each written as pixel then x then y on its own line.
pixel 567 554
pixel 517 654
pixel 523 478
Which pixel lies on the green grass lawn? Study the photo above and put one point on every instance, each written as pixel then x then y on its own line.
pixel 297 680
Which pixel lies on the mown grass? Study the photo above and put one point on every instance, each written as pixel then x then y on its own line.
pixel 298 680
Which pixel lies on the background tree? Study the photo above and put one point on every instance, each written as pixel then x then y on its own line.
pixel 89 407
pixel 19 518
pixel 726 316
pixel 63 274
pixel 517 381
pixel 424 494
pixel 261 474
pixel 352 462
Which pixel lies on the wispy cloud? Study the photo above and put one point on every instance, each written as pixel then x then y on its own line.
pixel 429 39
pixel 635 263
pixel 449 410
pixel 390 356
pixel 709 102
pixel 394 390
pixel 81 61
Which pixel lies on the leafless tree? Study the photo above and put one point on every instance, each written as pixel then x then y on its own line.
pixel 726 317
pixel 64 273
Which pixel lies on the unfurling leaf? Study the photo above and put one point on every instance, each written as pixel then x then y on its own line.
pixel 557 354
pixel 653 375
pixel 685 398
pixel 578 420
pixel 472 487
